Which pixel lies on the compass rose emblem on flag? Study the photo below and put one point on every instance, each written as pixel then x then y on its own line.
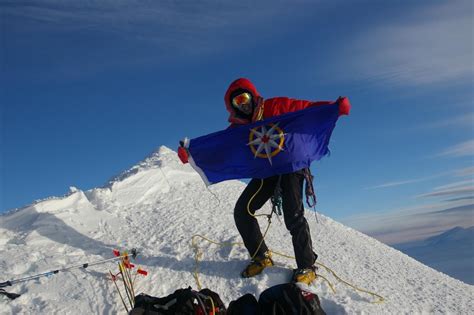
pixel 266 141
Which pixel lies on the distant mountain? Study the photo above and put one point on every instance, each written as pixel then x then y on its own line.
pixel 451 252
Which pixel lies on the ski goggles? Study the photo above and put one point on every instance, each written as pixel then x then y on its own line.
pixel 241 99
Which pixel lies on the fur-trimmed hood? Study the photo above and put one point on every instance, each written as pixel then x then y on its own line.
pixel 238 86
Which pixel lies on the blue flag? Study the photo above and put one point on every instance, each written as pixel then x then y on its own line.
pixel 277 145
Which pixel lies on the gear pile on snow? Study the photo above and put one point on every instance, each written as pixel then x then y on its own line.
pixel 283 299
pixel 182 301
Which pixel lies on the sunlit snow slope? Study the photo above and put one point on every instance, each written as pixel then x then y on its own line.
pixel 157 206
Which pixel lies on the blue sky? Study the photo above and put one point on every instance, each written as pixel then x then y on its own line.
pixel 89 89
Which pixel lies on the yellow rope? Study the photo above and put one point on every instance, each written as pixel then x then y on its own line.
pixel 269 217
pixel 198 254
pixel 380 298
pixel 250 201
pixel 329 282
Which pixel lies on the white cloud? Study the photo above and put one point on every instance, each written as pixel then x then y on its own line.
pixel 462 149
pixel 397 183
pixel 427 46
pixel 464 120
pixel 455 184
pixel 449 192
pixel 190 27
pixel 407 181
pixel 468 171
pixel 85 38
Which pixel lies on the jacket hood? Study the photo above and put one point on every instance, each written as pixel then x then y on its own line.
pixel 239 84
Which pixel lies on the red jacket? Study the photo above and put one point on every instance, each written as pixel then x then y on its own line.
pixel 272 106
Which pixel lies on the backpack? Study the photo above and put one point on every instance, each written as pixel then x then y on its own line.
pixel 181 302
pixel 246 304
pixel 288 299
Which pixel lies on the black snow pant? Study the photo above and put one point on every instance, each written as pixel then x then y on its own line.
pixel 293 213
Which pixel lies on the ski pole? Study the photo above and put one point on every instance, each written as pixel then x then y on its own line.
pixel 53 272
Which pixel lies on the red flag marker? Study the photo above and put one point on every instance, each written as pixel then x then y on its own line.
pixel 129 265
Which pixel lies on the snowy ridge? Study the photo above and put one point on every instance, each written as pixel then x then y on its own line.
pixel 157 206
pixel 72 190
pixel 157 158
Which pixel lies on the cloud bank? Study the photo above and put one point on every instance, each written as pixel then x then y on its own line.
pixel 452 205
pixel 430 45
pixel 416 223
pixel 183 27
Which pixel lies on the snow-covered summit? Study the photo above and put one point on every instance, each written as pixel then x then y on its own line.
pixel 157 206
pixel 161 157
pixel 144 182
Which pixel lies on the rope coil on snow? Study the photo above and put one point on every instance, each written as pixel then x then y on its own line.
pixel 198 255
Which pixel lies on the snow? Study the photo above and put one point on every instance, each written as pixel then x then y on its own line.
pixel 156 207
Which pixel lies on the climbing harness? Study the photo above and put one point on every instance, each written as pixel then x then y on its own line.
pixel 309 189
pixel 276 199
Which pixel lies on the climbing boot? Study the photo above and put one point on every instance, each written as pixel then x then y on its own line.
pixel 257 265
pixel 305 275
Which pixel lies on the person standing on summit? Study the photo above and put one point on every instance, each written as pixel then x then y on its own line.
pixel 245 106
